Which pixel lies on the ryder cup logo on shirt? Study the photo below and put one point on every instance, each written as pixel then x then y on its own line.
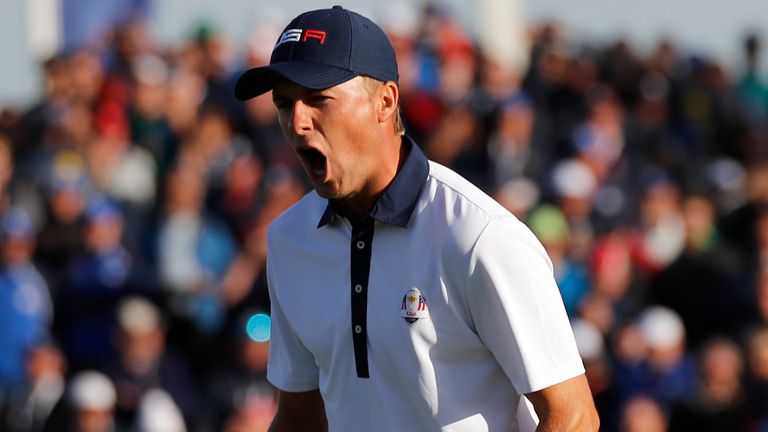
pixel 295 35
pixel 414 306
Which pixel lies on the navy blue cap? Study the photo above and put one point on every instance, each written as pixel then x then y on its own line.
pixel 102 208
pixel 323 48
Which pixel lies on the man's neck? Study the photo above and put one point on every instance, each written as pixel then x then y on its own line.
pixel 356 208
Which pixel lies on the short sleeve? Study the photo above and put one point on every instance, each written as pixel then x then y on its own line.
pixel 517 309
pixel 291 366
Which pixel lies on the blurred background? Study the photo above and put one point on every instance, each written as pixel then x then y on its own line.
pixel 135 194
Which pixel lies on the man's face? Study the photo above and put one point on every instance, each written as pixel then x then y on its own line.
pixel 331 131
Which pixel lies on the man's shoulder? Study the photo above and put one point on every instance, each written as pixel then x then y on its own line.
pixel 458 211
pixel 450 186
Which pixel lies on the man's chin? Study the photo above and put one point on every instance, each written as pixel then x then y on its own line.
pixel 326 191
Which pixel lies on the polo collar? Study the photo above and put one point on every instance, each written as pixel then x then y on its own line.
pixel 396 203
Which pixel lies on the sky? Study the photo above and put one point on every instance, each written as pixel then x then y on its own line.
pixel 713 28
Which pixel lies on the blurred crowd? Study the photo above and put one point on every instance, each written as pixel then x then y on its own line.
pixel 135 196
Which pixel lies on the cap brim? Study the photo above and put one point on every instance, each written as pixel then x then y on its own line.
pixel 257 81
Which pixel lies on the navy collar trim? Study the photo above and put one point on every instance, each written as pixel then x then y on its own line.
pixel 395 206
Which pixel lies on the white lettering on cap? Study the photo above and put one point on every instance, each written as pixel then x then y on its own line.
pixel 290 35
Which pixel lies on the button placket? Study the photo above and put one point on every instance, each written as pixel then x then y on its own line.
pixel 361 243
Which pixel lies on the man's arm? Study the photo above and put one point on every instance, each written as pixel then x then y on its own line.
pixel 297 412
pixel 567 406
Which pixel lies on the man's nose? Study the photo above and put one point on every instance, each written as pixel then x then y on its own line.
pixel 301 121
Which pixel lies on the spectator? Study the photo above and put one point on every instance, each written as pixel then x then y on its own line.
pixel 752 89
pixel 550 226
pixel 158 413
pixel 661 227
pixel 30 404
pixel 668 373
pixel 720 402
pixel 594 353
pixel 757 366
pixel 573 186
pixel 25 303
pixel 615 275
pixel 147 370
pixel 696 284
pixel 6 171
pixel 123 170
pixel 240 390
pixel 244 285
pixel 87 406
pixel 195 250
pixel 61 236
pixel 236 194
pixel 642 414
pixel 96 280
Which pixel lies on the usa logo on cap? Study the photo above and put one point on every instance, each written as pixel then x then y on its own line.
pixel 294 35
pixel 414 306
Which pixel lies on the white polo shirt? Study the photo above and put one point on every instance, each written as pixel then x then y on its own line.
pixel 435 315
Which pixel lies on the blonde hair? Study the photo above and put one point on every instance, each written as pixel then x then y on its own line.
pixel 371 85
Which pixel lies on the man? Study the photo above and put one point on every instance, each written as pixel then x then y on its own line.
pixel 403 298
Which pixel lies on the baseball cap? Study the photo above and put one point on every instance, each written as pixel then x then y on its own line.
pixel 323 48
pixel 17 223
pixel 101 208
pixel 661 327
pixel 549 224
pixel 138 316
pixel 91 390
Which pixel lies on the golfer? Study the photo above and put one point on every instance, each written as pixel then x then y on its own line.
pixel 403 297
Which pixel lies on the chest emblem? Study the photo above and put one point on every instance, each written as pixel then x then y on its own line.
pixel 414 306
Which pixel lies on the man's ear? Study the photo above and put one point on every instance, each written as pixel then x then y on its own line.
pixel 387 98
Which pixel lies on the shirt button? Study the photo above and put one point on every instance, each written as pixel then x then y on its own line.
pixel 358 288
pixel 360 244
pixel 358 329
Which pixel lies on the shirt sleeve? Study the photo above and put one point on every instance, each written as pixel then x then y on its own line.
pixel 517 309
pixel 291 366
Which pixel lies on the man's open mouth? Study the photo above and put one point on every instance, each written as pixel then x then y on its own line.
pixel 314 160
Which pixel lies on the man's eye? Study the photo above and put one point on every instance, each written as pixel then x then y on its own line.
pixel 317 99
pixel 281 103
